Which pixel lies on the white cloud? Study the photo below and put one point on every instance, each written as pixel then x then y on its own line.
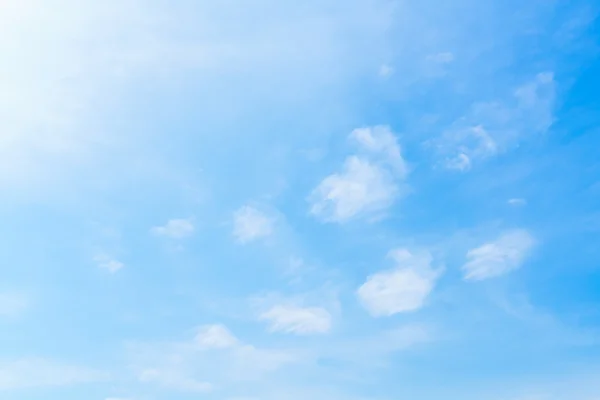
pixel 489 128
pixel 175 229
pixel 214 356
pixel 473 143
pixel 367 184
pixel 361 188
pixel 298 320
pixel 250 224
pixel 108 263
pixel 402 289
pixel 12 304
pixel 499 257
pixel 215 337
pixel 517 202
pixel 461 162
pixel 536 101
pixel 380 140
pixel 36 372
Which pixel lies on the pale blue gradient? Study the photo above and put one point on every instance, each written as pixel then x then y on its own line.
pixel 118 117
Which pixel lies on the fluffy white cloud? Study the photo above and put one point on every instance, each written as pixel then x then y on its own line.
pixel 401 289
pixel 380 140
pixel 361 188
pixel 36 372
pixel 111 265
pixel 175 229
pixel 298 320
pixel 215 337
pixel 499 257
pixel 367 184
pixel 250 224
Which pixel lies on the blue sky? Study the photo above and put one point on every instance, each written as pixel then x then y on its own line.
pixel 363 200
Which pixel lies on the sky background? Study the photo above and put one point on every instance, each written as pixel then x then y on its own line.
pixel 328 200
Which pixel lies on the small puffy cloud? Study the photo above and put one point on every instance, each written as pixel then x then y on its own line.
pixel 175 229
pixel 12 304
pixel 174 380
pixel 215 337
pixel 380 140
pixel 401 289
pixel 109 264
pixel 517 202
pixel 367 184
pixel 499 257
pixel 41 373
pixel 250 224
pixel 298 320
pixel 361 188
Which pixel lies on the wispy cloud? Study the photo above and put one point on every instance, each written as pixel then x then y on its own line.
pixel 215 336
pixel 175 229
pixel 214 356
pixel 108 263
pixel 499 257
pixel 251 224
pixel 298 320
pixel 490 128
pixel 517 202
